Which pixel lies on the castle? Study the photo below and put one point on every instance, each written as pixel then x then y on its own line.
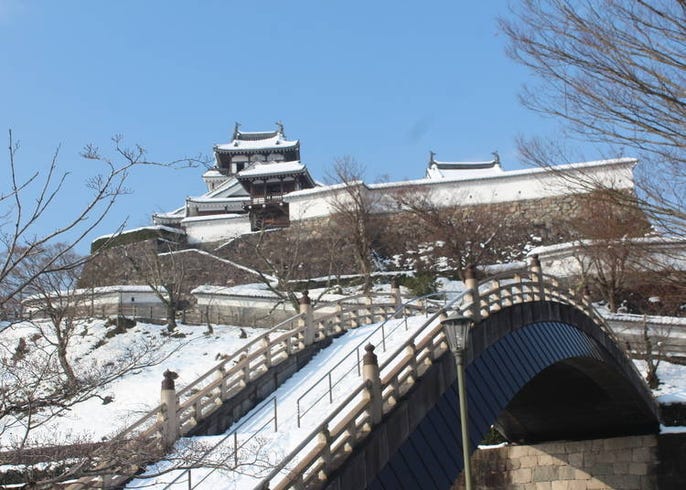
pixel 259 182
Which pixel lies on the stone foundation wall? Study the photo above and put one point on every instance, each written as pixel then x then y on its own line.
pixel 626 463
pixel 111 267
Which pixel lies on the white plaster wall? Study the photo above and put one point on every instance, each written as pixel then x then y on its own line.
pixel 139 297
pixel 106 296
pixel 239 302
pixel 315 203
pixel 213 228
pixel 510 186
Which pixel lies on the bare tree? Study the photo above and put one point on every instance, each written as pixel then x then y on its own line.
pixel 353 206
pixel 653 354
pixel 25 229
pixel 613 73
pixel 39 380
pixel 57 298
pixel 605 249
pixel 468 235
pixel 165 273
pixel 35 388
pixel 278 268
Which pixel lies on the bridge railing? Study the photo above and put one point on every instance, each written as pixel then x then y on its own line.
pixel 350 313
pixel 200 398
pixel 506 289
pixel 324 387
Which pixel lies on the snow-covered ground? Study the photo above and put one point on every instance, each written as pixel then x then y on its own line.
pixel 190 353
pixel 672 387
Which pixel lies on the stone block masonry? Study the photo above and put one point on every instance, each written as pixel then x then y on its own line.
pixel 626 463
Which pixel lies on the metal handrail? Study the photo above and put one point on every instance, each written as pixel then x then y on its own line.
pixel 356 350
pixel 271 400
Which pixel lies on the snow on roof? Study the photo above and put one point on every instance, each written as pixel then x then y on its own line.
pixel 218 200
pixel 273 141
pixel 97 291
pixel 272 168
pixel 255 135
pixel 255 290
pixel 510 173
pixel 326 188
pixel 471 176
pixel 229 187
pixel 142 228
pixel 226 261
pixel 458 170
pixel 177 213
pixel 216 217
pixel 213 173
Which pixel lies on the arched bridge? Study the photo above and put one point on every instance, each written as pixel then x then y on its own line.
pixel 540 365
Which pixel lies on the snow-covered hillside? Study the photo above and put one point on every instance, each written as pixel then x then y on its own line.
pixel 190 352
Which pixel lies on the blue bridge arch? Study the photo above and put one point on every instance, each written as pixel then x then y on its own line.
pixel 536 371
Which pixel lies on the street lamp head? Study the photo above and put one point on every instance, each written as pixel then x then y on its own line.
pixel 456 329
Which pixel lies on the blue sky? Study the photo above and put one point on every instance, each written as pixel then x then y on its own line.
pixel 384 82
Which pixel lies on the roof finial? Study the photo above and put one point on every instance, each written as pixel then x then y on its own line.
pixel 279 125
pixel 235 129
pixel 432 155
pixel 496 157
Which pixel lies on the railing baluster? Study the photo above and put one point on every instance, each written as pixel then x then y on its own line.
pixel 235 449
pixel 330 389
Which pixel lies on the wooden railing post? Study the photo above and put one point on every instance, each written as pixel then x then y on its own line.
pixel 338 325
pixel 395 293
pixel 472 286
pixel 537 277
pixel 220 375
pixel 370 374
pixel 368 316
pixel 246 367
pixel 516 289
pixel 168 416
pixel 306 310
pixel 325 440
pixel 267 351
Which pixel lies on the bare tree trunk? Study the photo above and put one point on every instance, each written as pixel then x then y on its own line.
pixel 652 362
pixel 171 315
pixel 72 380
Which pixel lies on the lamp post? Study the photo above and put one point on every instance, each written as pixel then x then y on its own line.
pixel 456 329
